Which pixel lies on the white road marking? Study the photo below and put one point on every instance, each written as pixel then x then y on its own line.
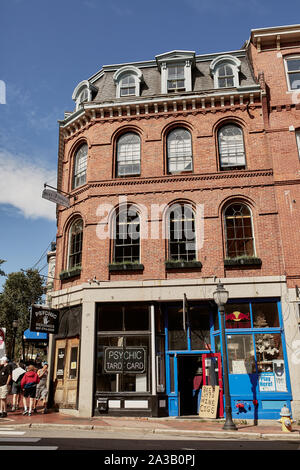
pixel 12 433
pixel 28 448
pixel 20 439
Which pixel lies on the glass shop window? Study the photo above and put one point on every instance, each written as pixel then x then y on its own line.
pixel 73 363
pixel 241 358
pixel 237 315
pixel 265 315
pixel 268 351
pixel 199 327
pixel 121 317
pixel 121 380
pixel 177 335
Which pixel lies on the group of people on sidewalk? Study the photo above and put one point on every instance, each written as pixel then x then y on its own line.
pixel 29 381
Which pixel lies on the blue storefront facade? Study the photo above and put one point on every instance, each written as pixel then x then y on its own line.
pixel 256 351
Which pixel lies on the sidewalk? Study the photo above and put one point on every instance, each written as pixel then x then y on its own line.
pixel 189 426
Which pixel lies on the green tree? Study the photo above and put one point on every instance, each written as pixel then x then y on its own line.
pixel 21 289
pixel 2 273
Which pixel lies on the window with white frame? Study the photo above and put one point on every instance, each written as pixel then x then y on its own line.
pixel 225 76
pixel 231 147
pixel 225 71
pixel 179 150
pixel 80 166
pixel 128 81
pixel 127 85
pixel 128 155
pixel 176 78
pixel 293 72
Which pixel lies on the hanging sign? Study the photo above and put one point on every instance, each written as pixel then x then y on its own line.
pixel 56 197
pixel 44 319
pixel 130 360
pixel 209 401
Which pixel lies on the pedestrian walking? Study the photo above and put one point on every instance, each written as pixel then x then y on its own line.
pixel 41 389
pixel 5 379
pixel 17 375
pixel 28 385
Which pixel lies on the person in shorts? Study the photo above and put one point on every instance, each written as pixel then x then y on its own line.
pixel 41 389
pixel 5 378
pixel 16 385
pixel 28 385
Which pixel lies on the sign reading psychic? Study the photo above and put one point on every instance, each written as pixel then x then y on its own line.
pixel 126 360
pixel 43 319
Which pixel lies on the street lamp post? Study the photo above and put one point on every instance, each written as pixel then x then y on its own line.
pixel 15 326
pixel 220 297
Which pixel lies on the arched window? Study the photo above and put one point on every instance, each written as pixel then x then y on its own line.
pixel 75 244
pixel 127 236
pixel 179 151
pixel 128 85
pixel 128 155
pixel 181 233
pixel 231 147
pixel 238 231
pixel 128 81
pixel 80 165
pixel 225 70
pixel 225 76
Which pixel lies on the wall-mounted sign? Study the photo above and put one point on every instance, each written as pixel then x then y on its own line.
pixel 44 319
pixel 56 197
pixel 126 360
pixel 209 401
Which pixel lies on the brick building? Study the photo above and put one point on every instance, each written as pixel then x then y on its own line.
pixel 182 171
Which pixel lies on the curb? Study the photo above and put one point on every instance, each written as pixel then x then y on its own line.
pixel 175 432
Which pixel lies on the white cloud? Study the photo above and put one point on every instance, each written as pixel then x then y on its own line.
pixel 21 185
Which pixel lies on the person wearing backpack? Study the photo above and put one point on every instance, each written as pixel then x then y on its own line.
pixel 28 385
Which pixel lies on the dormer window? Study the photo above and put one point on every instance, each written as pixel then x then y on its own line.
pixel 83 92
pixel 225 71
pixel 128 81
pixel 127 85
pixel 176 78
pixel 176 71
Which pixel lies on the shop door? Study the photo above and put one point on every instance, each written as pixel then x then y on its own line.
pixel 66 373
pixel 212 365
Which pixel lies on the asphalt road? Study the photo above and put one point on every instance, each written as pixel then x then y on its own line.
pixel 136 449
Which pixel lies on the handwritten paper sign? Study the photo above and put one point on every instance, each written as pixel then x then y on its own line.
pixel 209 401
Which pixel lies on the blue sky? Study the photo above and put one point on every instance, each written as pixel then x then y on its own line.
pixel 48 47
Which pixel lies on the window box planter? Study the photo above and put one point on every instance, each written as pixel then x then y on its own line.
pixel 181 264
pixel 242 261
pixel 69 273
pixel 112 267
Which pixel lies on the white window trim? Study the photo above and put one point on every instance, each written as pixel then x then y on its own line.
pixel 77 93
pixel 225 60
pixel 187 74
pixel 297 56
pixel 128 69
